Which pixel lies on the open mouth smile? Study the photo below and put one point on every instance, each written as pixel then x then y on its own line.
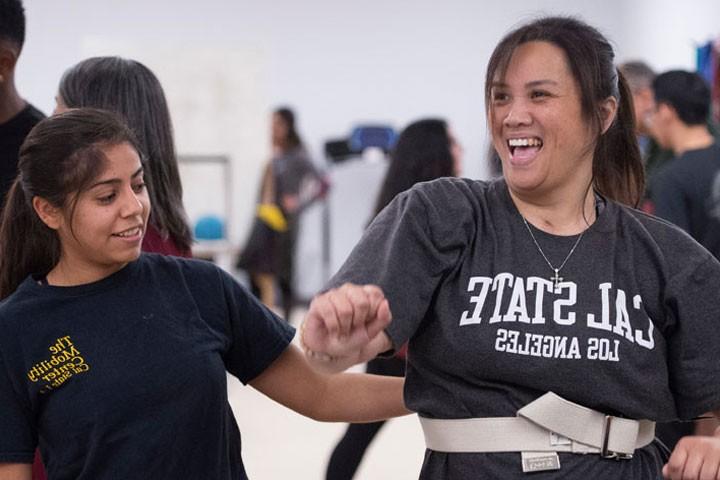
pixel 129 233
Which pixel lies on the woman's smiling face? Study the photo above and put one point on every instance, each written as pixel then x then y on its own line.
pixel 105 228
pixel 538 127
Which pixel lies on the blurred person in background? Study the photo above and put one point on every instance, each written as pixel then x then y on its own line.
pixel 290 183
pixel 686 190
pixel 426 150
pixel 639 77
pixel 17 116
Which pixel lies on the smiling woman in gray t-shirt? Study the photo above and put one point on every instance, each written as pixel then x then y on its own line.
pixel 544 281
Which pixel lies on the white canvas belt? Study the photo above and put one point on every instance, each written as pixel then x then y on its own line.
pixel 548 424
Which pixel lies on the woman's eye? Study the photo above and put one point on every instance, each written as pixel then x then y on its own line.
pixel 538 94
pixel 139 187
pixel 500 97
pixel 105 199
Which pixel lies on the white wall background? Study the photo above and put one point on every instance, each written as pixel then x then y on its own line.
pixel 226 63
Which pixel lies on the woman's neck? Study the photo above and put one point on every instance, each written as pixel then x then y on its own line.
pixel 64 275
pixel 566 213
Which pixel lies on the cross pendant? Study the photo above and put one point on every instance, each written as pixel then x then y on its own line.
pixel 556 279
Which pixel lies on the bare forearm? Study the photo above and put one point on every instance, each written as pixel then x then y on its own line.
pixel 359 398
pixel 346 397
pixel 15 471
pixel 708 424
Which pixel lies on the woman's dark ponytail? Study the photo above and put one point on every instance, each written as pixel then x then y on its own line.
pixel 27 245
pixel 618 168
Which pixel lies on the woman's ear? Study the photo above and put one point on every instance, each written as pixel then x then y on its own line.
pixel 8 58
pixel 608 111
pixel 48 213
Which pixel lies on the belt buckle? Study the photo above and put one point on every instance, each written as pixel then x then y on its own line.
pixel 604 452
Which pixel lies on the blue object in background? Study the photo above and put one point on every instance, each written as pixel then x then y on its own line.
pixel 209 227
pixel 704 61
pixel 366 136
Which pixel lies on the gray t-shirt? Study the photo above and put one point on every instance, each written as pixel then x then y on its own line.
pixel 630 332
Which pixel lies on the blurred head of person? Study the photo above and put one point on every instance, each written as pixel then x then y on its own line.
pixel 682 104
pixel 425 150
pixel 639 77
pixel 283 131
pixel 12 38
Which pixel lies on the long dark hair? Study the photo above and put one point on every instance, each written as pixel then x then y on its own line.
pixel 617 166
pixel 130 89
pixel 60 157
pixel 422 153
pixel 293 139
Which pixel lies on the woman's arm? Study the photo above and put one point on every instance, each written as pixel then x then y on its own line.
pixel 343 397
pixel 707 424
pixel 344 327
pixel 15 471
pixel 695 457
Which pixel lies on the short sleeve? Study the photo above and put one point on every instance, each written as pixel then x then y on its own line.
pixel 408 250
pixel 257 336
pixel 17 435
pixel 693 300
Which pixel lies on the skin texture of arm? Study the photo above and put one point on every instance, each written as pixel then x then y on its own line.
pixel 343 397
pixel 15 471
pixel 695 457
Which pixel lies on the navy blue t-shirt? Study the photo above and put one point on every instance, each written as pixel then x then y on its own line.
pixel 126 377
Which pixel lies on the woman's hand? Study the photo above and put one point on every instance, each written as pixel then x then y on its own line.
pixel 695 458
pixel 344 326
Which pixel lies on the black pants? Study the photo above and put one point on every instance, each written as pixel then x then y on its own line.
pixel 349 451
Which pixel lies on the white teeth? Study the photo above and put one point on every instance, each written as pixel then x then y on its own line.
pixel 129 233
pixel 525 142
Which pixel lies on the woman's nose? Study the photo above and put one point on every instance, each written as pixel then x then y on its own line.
pixel 132 205
pixel 517 115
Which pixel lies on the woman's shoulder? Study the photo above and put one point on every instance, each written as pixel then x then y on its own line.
pixel 673 246
pixel 456 189
pixel 200 277
pixel 170 264
pixel 652 225
pixel 450 206
pixel 23 294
